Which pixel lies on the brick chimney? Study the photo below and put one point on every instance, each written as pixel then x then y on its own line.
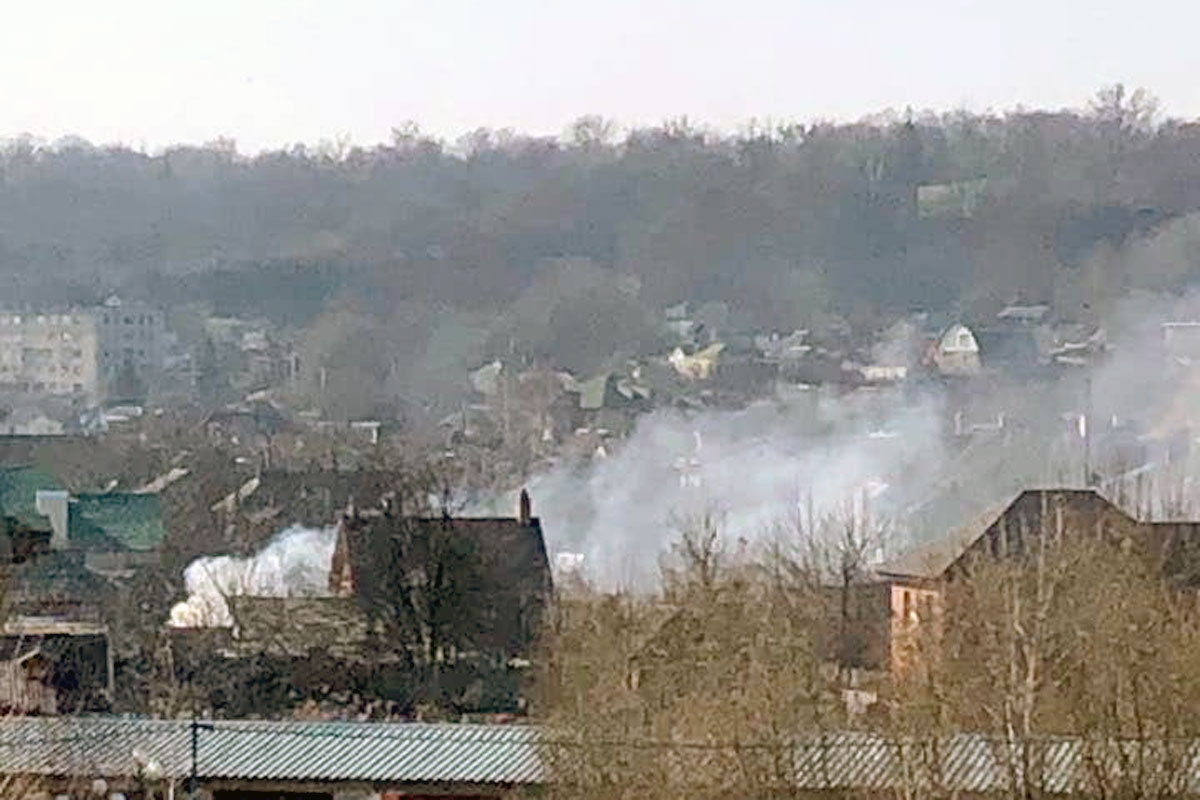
pixel 525 510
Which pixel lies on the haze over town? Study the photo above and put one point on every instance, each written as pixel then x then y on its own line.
pixel 651 400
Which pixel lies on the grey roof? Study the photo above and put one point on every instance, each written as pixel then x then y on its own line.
pixel 509 755
pixel 383 752
pixel 975 763
pixel 1032 313
pixel 932 559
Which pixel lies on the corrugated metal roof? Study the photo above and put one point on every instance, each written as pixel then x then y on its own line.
pixel 131 521
pixel 299 751
pixel 418 753
pixel 975 763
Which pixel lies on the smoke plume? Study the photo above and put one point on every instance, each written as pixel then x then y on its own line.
pixel 772 462
pixel 295 563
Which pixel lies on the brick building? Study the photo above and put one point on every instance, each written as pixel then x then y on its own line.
pixel 908 591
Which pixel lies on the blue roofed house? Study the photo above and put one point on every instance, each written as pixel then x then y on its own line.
pixel 62 555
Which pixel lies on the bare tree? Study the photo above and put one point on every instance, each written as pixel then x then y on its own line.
pixel 698 691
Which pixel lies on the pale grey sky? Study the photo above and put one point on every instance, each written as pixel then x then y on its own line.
pixel 268 72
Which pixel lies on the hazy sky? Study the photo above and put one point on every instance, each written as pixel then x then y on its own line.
pixel 268 73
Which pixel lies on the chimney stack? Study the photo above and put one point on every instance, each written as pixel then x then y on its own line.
pixel 54 504
pixel 525 512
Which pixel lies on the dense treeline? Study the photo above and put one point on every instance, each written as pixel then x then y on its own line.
pixel 787 225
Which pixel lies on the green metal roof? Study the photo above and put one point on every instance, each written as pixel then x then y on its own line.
pixel 593 392
pixel 18 494
pixel 116 521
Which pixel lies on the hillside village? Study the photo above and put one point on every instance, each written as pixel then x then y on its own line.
pixel 412 611
pixel 753 436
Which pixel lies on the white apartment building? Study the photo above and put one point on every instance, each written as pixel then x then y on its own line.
pixel 79 353
pixel 50 353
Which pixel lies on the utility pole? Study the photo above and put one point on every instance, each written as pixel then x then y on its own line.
pixel 1087 432
pixel 194 778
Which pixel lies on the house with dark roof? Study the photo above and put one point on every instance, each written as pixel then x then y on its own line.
pixel 910 588
pixel 439 606
pixel 310 497
pixel 502 571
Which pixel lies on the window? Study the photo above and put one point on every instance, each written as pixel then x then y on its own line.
pixel 964 340
pixel 907 605
pixel 77 388
pixel 129 320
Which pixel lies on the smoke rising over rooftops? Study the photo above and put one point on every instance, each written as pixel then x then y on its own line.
pixel 294 563
pixel 754 468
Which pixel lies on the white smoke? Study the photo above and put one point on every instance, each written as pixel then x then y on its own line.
pixel 294 563
pixel 771 463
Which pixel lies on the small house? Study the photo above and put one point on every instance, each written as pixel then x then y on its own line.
pixel 956 352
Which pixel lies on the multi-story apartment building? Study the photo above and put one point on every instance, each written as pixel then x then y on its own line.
pixel 80 353
pixel 50 353
pixel 132 335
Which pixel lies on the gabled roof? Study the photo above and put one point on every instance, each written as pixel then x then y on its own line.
pixel 503 560
pixel 382 752
pixel 932 559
